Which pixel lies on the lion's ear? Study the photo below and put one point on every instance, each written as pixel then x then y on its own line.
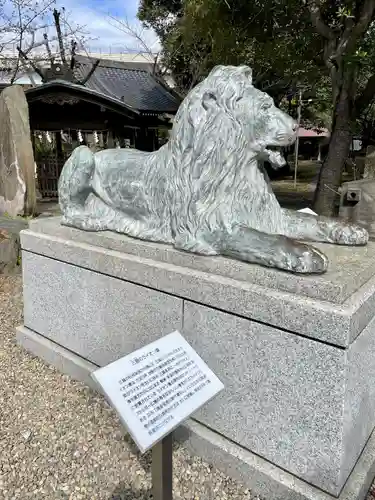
pixel 247 72
pixel 209 100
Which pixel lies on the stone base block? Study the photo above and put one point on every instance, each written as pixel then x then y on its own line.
pixel 296 354
pixel 262 477
pixel 57 356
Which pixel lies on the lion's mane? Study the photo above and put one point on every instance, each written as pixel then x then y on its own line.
pixel 209 168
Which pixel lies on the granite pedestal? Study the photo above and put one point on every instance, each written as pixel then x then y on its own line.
pixel 296 353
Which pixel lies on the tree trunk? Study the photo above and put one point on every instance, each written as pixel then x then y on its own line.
pixel 329 180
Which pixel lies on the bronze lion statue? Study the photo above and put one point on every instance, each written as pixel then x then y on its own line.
pixel 205 190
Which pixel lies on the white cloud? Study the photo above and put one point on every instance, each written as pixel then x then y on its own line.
pixel 107 34
pixel 105 24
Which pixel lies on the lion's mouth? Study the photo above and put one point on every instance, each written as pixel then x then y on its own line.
pixel 275 158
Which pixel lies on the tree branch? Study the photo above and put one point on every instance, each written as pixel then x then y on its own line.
pixel 24 25
pixel 345 37
pixel 366 97
pixel 365 18
pixel 317 19
pixel 354 30
pixel 124 26
pixel 27 24
pixel 20 44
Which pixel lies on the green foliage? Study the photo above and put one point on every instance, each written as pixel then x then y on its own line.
pixel 316 105
pixel 268 35
pixel 159 15
pixel 276 38
pixel 324 48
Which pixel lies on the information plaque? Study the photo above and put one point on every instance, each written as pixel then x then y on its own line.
pixel 157 387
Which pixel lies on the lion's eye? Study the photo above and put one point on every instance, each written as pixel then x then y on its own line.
pixel 239 99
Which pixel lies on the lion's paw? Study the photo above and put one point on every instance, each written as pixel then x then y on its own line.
pixel 350 235
pixel 304 259
pixel 188 244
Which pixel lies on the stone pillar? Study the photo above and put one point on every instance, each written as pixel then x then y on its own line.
pixel 17 170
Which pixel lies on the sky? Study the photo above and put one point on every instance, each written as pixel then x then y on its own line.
pixel 105 36
pixel 98 18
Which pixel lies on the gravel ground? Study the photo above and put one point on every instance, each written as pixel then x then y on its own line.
pixel 60 440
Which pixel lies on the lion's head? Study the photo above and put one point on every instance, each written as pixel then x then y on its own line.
pixel 220 133
pixel 229 95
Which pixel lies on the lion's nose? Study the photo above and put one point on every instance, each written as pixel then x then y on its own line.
pixel 295 127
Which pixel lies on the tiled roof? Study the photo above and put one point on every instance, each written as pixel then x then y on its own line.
pixel 132 83
pixel 52 86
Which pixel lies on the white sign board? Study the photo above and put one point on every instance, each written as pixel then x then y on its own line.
pixel 157 387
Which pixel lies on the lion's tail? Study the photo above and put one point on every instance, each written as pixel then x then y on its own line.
pixel 75 179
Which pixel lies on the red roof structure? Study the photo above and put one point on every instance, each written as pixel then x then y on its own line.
pixel 303 132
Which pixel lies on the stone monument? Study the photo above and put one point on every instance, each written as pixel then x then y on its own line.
pixel 296 352
pixel 17 173
pixel 357 204
pixel 357 197
pixel 204 191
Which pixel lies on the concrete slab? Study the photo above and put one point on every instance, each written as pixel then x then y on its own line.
pixel 349 269
pixel 299 371
pixel 334 323
pixel 98 317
